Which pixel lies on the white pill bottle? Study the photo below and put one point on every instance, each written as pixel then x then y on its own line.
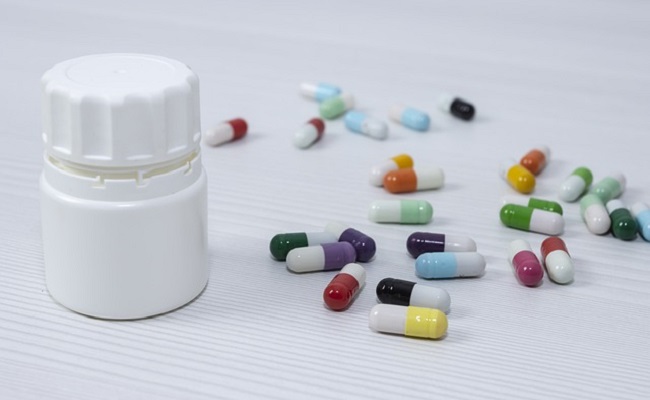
pixel 123 190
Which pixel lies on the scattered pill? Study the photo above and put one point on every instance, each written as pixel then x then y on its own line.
pixel 557 260
pixel 641 212
pixel 527 268
pixel 309 133
pixel 324 257
pixel 379 171
pixel 521 179
pixel 609 188
pixel 363 244
pixel 458 107
pixel 532 219
pixel 449 265
pixel 228 131
pixel 344 286
pixel 536 159
pixel 410 118
pixel 407 293
pixel 429 242
pixel 358 122
pixel 576 184
pixel 532 202
pixel 595 215
pixel 282 243
pixel 407 180
pixel 400 211
pixel 624 225
pixel 421 322
pixel 335 106
pixel 319 91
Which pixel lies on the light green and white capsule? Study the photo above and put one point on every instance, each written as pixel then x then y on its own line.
pixel 595 215
pixel 576 184
pixel 400 211
pixel 532 202
pixel 609 188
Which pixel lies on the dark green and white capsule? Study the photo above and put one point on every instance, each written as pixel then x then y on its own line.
pixel 624 225
pixel 400 211
pixel 282 243
pixel 532 202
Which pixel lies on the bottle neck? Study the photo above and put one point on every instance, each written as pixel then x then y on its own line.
pixel 122 184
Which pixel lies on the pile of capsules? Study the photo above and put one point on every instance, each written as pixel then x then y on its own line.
pixel 398 175
pixel 407 308
pixel 600 208
pixel 333 103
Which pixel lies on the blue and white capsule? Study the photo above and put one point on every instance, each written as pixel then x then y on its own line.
pixel 410 117
pixel 641 212
pixel 449 265
pixel 359 122
pixel 319 91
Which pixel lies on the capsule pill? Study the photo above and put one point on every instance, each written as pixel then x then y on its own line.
pixel 449 265
pixel 379 171
pixel 309 133
pixel 400 211
pixel 324 257
pixel 359 122
pixel 342 289
pixel 410 118
pixel 428 242
pixel 557 260
pixel 527 268
pixel 407 293
pixel 363 244
pixel 421 322
pixel 225 132
pixel 532 219
pixel 282 243
pixel 407 180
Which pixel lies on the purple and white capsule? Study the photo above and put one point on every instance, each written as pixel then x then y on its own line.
pixel 325 257
pixel 363 244
pixel 429 242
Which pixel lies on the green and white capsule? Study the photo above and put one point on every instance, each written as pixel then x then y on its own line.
pixel 595 215
pixel 532 219
pixel 532 202
pixel 609 188
pixel 400 211
pixel 282 243
pixel 576 184
pixel 624 225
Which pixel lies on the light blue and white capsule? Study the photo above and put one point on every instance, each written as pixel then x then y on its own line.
pixel 319 91
pixel 359 122
pixel 449 265
pixel 641 212
pixel 410 118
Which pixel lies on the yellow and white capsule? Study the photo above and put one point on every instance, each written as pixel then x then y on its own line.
pixel 379 171
pixel 521 179
pixel 428 323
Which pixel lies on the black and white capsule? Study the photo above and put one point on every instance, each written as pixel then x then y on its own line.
pixel 456 106
pixel 406 293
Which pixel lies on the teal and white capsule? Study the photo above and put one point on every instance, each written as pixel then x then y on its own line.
pixel 358 122
pixel 576 184
pixel 449 265
pixel 400 211
pixel 319 91
pixel 410 117
pixel 609 188
pixel 595 215
pixel 641 212
pixel 532 202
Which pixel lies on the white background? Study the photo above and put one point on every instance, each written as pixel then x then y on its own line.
pixel 573 75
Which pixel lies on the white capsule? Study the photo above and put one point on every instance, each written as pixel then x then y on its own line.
pixel 379 171
pixel 595 214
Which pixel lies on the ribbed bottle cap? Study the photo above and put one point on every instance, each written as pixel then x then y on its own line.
pixel 120 110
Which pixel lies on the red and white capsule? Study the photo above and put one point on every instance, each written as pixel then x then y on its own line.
pixel 340 292
pixel 557 260
pixel 527 267
pixel 228 131
pixel 309 134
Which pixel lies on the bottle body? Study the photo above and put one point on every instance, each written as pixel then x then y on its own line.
pixel 124 259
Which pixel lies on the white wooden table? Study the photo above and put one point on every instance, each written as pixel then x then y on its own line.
pixel 573 75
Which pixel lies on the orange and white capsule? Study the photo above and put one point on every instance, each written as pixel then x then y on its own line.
pixel 228 131
pixel 379 171
pixel 536 159
pixel 309 134
pixel 521 179
pixel 557 260
pixel 340 292
pixel 406 180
